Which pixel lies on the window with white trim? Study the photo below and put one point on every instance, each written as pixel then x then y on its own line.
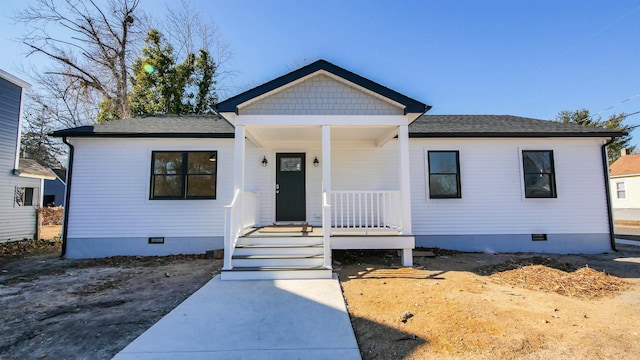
pixel 539 174
pixel 444 174
pixel 26 196
pixel 621 190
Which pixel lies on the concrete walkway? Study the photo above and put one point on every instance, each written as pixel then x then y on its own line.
pixel 264 319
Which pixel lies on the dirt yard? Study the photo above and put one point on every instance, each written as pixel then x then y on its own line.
pixel 494 306
pixel 53 308
pixel 452 305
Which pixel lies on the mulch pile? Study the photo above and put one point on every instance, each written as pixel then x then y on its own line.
pixel 550 275
pixel 51 215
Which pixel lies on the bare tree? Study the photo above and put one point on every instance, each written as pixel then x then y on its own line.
pixel 95 52
pixel 188 34
pixel 66 103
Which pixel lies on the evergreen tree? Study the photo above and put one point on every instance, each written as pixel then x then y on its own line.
pixel 614 122
pixel 163 86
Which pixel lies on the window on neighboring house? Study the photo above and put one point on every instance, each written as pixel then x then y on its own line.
pixel 183 175
pixel 444 174
pixel 621 190
pixel 26 196
pixel 539 174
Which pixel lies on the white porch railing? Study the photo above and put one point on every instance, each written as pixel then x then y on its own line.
pixel 240 214
pixel 366 210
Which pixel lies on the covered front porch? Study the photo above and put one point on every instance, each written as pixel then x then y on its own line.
pixel 353 193
pixel 323 146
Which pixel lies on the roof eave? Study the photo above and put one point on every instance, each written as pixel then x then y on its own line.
pixel 143 135
pixel 24 174
pixel 511 134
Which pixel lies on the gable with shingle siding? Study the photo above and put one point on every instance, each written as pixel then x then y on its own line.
pixel 321 95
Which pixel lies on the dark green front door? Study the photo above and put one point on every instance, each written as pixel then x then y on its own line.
pixel 290 188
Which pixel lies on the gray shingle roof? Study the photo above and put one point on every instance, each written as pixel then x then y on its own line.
pixel 185 126
pixel 499 126
pixel 31 168
pixel 212 126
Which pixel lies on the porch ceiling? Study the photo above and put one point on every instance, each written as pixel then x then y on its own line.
pixel 269 134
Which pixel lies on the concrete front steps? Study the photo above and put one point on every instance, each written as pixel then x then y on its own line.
pixel 278 257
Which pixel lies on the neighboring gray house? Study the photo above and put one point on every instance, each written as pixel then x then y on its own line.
pixel 21 180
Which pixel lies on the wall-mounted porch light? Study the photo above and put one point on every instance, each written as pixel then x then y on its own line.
pixel 212 157
pixel 264 161
pixel 316 162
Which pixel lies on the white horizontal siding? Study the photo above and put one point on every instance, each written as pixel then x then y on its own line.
pixel 363 166
pixel 632 200
pixel 492 189
pixel 262 179
pixel 354 166
pixel 110 190
pixel 17 222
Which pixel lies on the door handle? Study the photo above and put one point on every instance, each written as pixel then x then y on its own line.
pixel 277 188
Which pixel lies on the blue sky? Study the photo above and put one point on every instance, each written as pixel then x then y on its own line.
pixel 527 58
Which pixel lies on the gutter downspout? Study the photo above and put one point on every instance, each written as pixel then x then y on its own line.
pixel 65 223
pixel 605 169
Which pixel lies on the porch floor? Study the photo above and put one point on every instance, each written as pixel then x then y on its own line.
pixel 317 232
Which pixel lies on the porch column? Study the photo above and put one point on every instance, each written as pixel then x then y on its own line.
pixel 405 190
pixel 233 211
pixel 326 200
pixel 405 176
pixel 238 166
pixel 326 158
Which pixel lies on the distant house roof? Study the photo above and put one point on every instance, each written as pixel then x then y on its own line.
pixel 411 105
pixel 430 126
pixel 625 165
pixel 61 173
pixel 175 126
pixel 31 168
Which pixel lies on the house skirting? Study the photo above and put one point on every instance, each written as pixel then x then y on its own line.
pixel 555 243
pixel 80 248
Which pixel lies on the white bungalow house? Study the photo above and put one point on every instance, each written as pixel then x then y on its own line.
pixel 343 163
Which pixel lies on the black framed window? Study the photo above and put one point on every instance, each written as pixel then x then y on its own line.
pixel 444 174
pixel 539 174
pixel 183 175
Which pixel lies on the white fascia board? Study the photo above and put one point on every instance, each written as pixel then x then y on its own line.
pixel 318 73
pixel 16 162
pixel 411 117
pixel 229 116
pixel 34 176
pixel 623 176
pixel 15 80
pixel 280 120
